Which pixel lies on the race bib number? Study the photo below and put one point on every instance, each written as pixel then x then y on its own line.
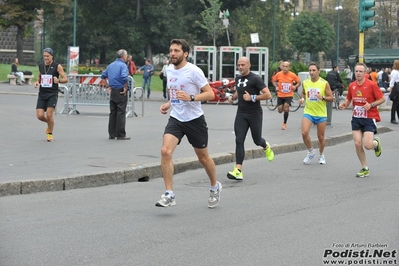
pixel 173 96
pixel 285 87
pixel 46 81
pixel 359 112
pixel 312 95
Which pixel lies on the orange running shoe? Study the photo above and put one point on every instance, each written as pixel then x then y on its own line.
pixel 284 126
pixel 49 137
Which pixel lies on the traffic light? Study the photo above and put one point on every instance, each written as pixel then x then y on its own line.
pixel 365 13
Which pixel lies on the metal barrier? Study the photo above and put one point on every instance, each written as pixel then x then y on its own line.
pixel 132 99
pixel 89 90
pixel 64 89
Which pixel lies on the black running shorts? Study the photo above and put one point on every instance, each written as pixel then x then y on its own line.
pixel 283 100
pixel 45 100
pixel 196 131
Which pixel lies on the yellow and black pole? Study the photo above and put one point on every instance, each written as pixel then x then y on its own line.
pixel 365 13
pixel 361 47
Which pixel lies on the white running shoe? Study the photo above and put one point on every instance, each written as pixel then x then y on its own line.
pixel 214 197
pixel 322 160
pixel 166 201
pixel 309 157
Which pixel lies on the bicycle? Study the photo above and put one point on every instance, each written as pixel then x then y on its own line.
pixel 271 104
pixel 337 99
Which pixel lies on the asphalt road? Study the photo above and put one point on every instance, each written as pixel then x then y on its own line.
pixel 283 213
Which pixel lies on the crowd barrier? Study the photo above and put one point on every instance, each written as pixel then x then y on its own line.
pixel 90 90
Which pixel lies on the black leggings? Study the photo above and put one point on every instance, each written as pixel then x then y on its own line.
pixel 164 83
pixel 241 125
pixel 395 109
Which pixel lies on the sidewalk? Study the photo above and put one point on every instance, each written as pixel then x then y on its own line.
pixel 82 156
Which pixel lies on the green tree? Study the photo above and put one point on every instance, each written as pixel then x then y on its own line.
pixel 106 26
pixel 386 20
pixel 348 28
pixel 57 28
pixel 258 18
pixel 310 32
pixel 211 22
pixel 21 14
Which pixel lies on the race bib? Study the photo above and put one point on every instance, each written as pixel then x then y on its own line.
pixel 312 94
pixel 46 81
pixel 285 87
pixel 173 96
pixel 359 112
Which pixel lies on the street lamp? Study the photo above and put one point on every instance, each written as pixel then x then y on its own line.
pixel 295 13
pixel 274 25
pixel 225 17
pixel 379 27
pixel 338 8
pixel 74 23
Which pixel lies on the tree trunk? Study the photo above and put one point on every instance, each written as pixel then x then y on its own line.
pixel 148 52
pixel 137 10
pixel 20 45
pixel 102 57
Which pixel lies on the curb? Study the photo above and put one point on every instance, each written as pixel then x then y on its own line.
pixel 153 170
pixel 19 93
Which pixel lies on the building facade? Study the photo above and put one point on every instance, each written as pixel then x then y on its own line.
pixel 8 47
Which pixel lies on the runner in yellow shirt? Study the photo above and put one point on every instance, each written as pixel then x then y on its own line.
pixel 316 91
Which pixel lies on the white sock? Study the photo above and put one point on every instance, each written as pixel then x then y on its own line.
pixel 170 192
pixel 214 188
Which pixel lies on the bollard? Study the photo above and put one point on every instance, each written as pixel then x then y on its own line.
pixel 329 113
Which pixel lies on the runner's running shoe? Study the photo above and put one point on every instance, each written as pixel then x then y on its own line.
pixel 49 137
pixel 378 149
pixel 166 201
pixel 309 157
pixel 269 152
pixel 322 159
pixel 235 174
pixel 363 173
pixel 284 126
pixel 214 197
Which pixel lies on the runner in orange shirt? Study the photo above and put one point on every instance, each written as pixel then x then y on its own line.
pixel 285 82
